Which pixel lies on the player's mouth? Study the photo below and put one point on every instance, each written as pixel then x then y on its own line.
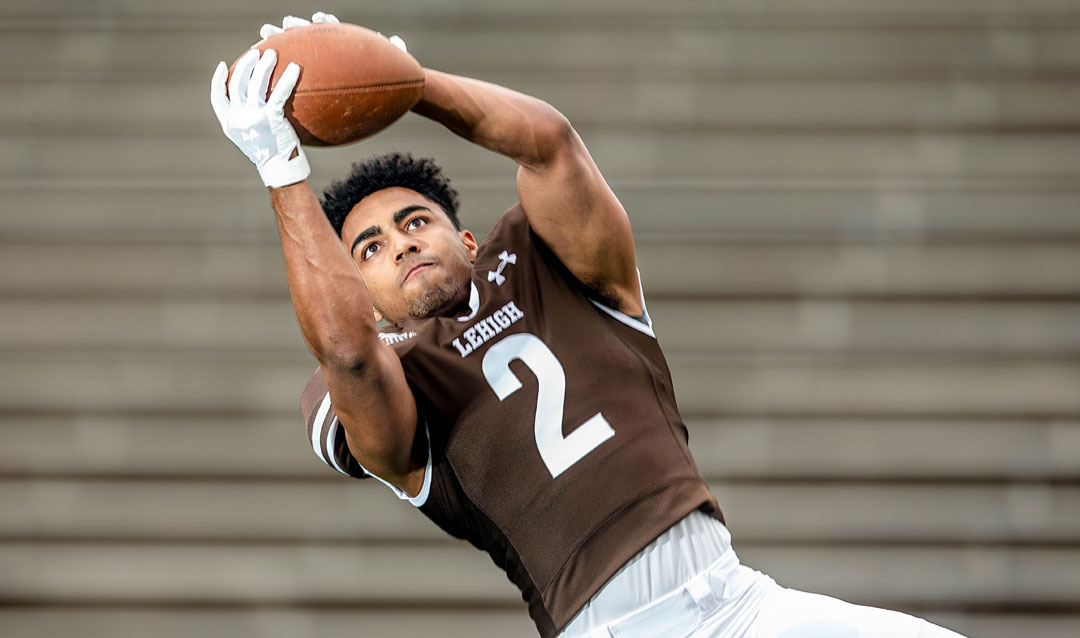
pixel 420 267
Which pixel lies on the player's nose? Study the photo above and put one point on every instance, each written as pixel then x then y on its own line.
pixel 405 246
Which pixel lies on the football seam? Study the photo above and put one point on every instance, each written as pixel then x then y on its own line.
pixel 366 87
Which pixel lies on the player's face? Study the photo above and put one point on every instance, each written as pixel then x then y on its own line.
pixel 414 263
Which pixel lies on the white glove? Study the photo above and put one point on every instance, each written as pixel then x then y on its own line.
pixel 289 22
pixel 257 125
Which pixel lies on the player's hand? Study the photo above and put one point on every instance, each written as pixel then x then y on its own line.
pixel 257 124
pixel 290 22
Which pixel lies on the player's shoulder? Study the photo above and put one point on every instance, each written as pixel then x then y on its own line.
pixel 510 228
pixel 511 244
pixel 513 219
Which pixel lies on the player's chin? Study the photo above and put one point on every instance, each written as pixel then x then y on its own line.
pixel 428 295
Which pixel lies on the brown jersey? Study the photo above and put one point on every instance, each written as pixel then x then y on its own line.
pixel 555 442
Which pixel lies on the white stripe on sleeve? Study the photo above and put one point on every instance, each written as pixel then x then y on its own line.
pixel 317 428
pixel 331 447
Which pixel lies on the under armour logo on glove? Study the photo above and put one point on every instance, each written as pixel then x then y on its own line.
pixel 256 123
pixel 504 258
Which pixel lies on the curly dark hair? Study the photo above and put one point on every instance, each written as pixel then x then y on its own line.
pixel 385 171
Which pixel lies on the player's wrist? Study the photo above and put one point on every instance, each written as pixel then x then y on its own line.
pixel 279 171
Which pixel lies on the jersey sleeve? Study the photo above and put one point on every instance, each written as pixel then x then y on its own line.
pixel 326 436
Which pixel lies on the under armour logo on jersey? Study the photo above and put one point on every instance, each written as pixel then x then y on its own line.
pixel 249 135
pixel 504 258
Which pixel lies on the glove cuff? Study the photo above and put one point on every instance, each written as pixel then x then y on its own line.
pixel 278 171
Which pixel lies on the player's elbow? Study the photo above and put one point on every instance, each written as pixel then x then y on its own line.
pixel 343 360
pixel 351 354
pixel 554 138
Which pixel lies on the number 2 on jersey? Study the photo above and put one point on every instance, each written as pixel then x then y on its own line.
pixel 558 452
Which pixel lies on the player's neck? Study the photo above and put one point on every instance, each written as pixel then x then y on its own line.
pixel 459 305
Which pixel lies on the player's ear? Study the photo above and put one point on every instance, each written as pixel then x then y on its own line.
pixel 470 244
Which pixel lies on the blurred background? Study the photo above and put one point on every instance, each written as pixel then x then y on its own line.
pixel 857 223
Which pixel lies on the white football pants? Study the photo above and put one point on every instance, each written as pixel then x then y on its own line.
pixel 688 583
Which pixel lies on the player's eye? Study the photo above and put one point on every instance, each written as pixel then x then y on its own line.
pixel 415 222
pixel 369 250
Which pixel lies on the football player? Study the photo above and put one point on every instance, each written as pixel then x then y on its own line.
pixel 515 393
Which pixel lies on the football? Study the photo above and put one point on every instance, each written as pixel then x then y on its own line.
pixel 353 82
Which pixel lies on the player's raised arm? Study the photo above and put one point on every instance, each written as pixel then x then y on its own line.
pixel 564 196
pixel 333 308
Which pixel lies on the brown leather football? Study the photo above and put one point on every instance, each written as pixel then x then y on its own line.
pixel 353 82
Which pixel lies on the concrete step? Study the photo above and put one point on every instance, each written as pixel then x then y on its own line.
pixel 765 384
pixel 365 511
pixel 162 270
pixel 707 384
pixel 921 12
pixel 505 621
pixel 689 326
pixel 35 49
pixel 32 622
pixel 143 446
pixel 842 210
pixel 873 158
pixel 300 573
pixel 359 575
pixel 156 107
